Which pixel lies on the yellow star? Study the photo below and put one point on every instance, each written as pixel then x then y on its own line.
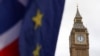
pixel 37 50
pixel 37 19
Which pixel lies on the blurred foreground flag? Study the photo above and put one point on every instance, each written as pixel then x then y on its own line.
pixel 11 12
pixel 40 28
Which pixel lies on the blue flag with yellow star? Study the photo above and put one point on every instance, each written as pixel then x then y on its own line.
pixel 40 28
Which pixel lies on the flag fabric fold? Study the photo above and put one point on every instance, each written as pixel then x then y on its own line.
pixel 11 13
pixel 40 28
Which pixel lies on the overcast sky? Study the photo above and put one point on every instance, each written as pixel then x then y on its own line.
pixel 90 11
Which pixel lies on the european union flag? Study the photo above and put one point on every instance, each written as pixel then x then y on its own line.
pixel 40 28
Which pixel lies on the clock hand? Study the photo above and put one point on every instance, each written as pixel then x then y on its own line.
pixel 80 39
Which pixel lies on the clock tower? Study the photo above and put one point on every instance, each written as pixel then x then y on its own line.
pixel 79 39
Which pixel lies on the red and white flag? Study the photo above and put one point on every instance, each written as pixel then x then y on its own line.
pixel 11 12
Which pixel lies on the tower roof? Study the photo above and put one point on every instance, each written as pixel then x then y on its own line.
pixel 78 21
pixel 77 13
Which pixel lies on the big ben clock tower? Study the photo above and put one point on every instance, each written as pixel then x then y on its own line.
pixel 79 39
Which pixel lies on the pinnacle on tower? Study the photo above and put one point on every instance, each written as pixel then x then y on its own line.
pixel 78 17
pixel 77 13
pixel 78 21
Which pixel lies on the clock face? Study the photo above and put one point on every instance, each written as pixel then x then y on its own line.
pixel 80 38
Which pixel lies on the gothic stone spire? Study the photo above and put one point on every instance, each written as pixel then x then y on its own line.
pixel 78 21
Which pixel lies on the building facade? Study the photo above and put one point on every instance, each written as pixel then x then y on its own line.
pixel 79 38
